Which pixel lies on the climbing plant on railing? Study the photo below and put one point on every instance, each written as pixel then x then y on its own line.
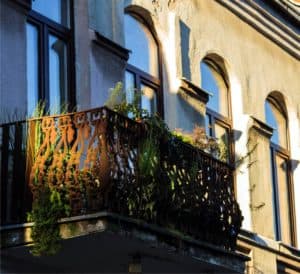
pixel 49 203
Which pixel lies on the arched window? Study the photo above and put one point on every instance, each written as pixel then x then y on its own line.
pixel 218 122
pixel 281 179
pixel 143 68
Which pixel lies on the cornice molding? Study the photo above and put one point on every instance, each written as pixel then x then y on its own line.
pixel 265 23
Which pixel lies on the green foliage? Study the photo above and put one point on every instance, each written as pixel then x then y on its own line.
pixel 47 208
pixel 117 99
pixel 223 153
pixel 141 201
pixel 148 157
pixel 117 102
pixel 199 139
pixel 182 137
pixel 39 110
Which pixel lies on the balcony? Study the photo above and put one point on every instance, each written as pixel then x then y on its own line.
pixel 97 158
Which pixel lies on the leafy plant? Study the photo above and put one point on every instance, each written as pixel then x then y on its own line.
pixel 49 204
pixel 198 139
pixel 117 101
pixel 47 208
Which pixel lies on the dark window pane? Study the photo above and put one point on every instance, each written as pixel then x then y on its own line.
pixel 56 10
pixel 208 126
pixel 32 68
pixel 57 74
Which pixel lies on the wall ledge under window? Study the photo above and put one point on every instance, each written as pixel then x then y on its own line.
pixel 22 5
pixel 110 45
pixel 262 127
pixel 193 90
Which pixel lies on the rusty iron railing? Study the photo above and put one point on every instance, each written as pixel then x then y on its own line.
pixel 93 156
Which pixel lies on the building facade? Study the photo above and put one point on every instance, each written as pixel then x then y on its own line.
pixel 231 67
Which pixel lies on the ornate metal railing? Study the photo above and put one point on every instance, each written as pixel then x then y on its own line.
pixel 94 158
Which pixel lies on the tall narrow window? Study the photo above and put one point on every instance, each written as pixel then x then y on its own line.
pixel 49 55
pixel 281 179
pixel 143 68
pixel 218 123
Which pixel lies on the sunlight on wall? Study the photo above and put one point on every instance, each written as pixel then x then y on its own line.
pixel 169 52
pixel 240 124
pixel 295 157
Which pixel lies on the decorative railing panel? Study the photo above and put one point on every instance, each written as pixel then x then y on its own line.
pixel 93 157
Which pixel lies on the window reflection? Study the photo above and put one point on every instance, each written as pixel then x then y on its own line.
pixel 213 82
pixel 223 141
pixel 217 124
pixel 142 72
pixel 276 119
pixel 148 100
pixel 140 41
pixel 57 74
pixel 282 207
pixel 56 10
pixel 32 68
pixel 129 86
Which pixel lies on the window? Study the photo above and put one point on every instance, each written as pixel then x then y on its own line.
pixel 218 123
pixel 281 179
pixel 49 56
pixel 143 68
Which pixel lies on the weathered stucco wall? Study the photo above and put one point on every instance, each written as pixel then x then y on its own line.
pixel 255 65
pixel 82 50
pixel 188 30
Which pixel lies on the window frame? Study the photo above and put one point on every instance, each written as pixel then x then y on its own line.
pixel 45 28
pixel 284 153
pixel 142 77
pixel 216 118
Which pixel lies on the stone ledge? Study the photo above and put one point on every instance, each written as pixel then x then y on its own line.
pixel 193 90
pixel 262 127
pixel 109 45
pixel 277 247
pixel 173 242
